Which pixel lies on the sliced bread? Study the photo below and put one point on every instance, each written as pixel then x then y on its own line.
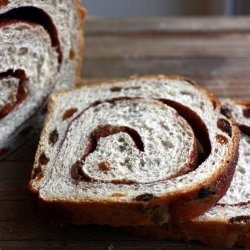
pixel 41 45
pixel 228 222
pixel 140 151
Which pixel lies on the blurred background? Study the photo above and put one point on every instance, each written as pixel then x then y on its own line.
pixel 153 8
pixel 213 50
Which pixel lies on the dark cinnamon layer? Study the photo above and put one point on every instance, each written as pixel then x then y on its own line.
pixel 198 126
pixel 38 16
pixel 21 91
pixel 107 130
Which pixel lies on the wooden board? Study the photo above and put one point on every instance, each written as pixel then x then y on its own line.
pixel 215 52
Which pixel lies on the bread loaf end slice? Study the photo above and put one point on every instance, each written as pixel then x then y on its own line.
pixel 41 51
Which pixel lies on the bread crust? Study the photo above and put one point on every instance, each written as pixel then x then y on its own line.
pixel 180 207
pixel 82 12
pixel 216 233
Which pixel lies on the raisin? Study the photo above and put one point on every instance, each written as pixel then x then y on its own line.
pixel 225 126
pixel 53 137
pixel 116 89
pixel 221 139
pixel 240 219
pixel 246 112
pixel 69 113
pixel 145 197
pixel 43 159
pixel 71 54
pixel 103 166
pixel 226 111
pixel 205 193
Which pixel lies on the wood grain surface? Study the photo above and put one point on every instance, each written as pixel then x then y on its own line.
pixel 215 52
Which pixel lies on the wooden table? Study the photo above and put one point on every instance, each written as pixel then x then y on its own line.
pixel 215 52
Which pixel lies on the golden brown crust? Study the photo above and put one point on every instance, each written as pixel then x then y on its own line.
pixel 89 212
pixel 182 207
pixel 82 12
pixel 188 207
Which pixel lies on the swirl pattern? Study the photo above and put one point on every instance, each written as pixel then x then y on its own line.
pixel 127 140
pixel 158 141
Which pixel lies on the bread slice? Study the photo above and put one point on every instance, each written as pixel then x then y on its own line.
pixel 228 222
pixel 41 50
pixel 144 150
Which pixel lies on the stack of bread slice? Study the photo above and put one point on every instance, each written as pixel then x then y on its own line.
pixel 41 44
pixel 157 155
pixel 228 222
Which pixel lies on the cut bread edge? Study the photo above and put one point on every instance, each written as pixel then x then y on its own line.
pixel 185 206
pixel 17 141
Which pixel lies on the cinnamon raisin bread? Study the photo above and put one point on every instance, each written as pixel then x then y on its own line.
pixel 228 222
pixel 141 151
pixel 41 44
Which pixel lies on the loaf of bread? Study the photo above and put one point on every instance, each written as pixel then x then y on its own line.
pixel 41 49
pixel 141 151
pixel 228 222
